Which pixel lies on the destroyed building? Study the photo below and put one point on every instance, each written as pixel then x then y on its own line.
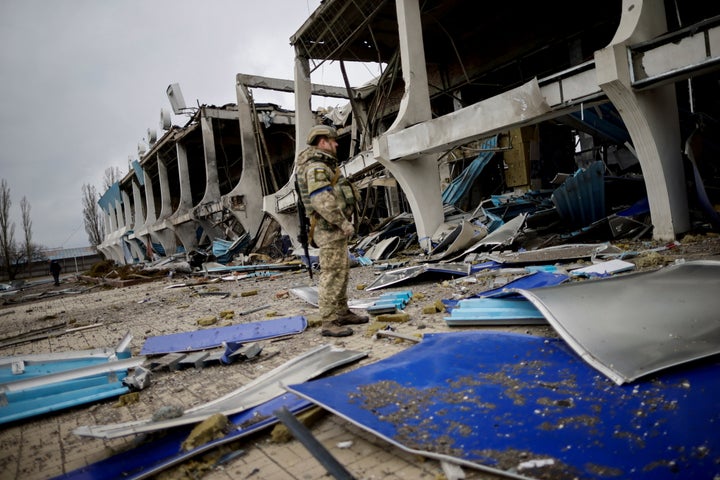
pixel 494 110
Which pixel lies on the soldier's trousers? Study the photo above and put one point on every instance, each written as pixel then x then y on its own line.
pixel 334 275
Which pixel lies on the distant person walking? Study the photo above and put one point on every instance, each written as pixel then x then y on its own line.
pixel 55 270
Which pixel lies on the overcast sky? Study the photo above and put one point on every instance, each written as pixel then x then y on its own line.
pixel 81 81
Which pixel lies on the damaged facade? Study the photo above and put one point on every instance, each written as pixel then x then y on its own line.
pixel 630 84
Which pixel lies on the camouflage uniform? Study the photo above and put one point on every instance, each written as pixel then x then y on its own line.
pixel 329 200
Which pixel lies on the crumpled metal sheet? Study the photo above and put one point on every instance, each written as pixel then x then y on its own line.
pixel 523 406
pixel 581 198
pixel 299 369
pixel 638 323
pixel 555 254
pixel 401 275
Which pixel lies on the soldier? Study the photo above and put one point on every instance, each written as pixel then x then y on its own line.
pixel 329 200
pixel 55 271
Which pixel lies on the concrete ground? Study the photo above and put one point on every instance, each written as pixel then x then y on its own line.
pixel 45 446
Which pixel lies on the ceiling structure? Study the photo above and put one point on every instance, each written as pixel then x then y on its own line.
pixel 485 53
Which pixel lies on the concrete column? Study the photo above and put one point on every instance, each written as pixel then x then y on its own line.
pixel 120 215
pixel 165 200
pixel 212 185
pixel 116 220
pixel 183 226
pixel 246 198
pixel 304 120
pixel 650 116
pixel 161 229
pixel 150 213
pixel 127 209
pixel 135 250
pixel 139 219
pixel 415 104
pixel 113 218
pixel 417 176
pixel 104 247
pixel 108 223
pixel 184 174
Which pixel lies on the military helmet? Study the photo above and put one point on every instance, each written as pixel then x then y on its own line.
pixel 320 131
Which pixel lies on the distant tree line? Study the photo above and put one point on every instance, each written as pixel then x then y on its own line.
pixel 92 215
pixel 15 256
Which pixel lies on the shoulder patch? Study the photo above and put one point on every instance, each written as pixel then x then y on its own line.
pixel 317 178
pixel 320 175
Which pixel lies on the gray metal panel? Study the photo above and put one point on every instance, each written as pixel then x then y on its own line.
pixel 300 369
pixel 632 325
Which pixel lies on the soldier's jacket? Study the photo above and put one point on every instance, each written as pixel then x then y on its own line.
pixel 329 198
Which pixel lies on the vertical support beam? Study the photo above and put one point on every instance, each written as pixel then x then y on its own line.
pixel 212 185
pixel 304 120
pixel 165 201
pixel 108 223
pixel 127 208
pixel 150 213
pixel 113 218
pixel 185 231
pixel 138 202
pixel 415 104
pixel 116 219
pixel 245 200
pixel 161 229
pixel 418 177
pixel 184 174
pixel 651 118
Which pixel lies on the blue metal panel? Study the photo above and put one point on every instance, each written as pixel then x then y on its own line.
pixel 110 198
pixel 494 311
pixel 214 337
pixel 536 279
pixel 58 396
pixel 38 369
pixel 581 198
pixel 225 250
pixel 138 172
pixel 460 185
pixel 497 401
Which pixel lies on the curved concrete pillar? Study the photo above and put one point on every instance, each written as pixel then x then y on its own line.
pixel 142 230
pixel 181 220
pixel 127 209
pixel 212 184
pixel 245 199
pixel 161 228
pixel 184 173
pixel 415 104
pixel 165 200
pixel 418 177
pixel 105 246
pixel 304 121
pixel 112 242
pixel 138 222
pixel 288 221
pixel 651 117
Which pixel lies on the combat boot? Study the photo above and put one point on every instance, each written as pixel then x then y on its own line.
pixel 332 329
pixel 350 318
